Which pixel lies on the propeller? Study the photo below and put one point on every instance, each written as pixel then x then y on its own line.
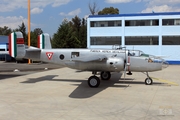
pixel 125 65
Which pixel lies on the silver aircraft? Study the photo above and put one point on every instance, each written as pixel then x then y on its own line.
pixel 101 61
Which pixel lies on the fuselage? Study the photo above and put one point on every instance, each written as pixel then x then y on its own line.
pixel 115 61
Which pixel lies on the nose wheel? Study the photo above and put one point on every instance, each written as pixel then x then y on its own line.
pixel 148 80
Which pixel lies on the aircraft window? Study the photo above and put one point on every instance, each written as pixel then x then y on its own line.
pixel 144 55
pixel 61 57
pixel 131 53
pixel 74 54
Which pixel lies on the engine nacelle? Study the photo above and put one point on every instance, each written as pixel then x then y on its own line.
pixel 111 65
pixel 115 64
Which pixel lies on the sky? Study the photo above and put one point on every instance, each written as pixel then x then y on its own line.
pixel 49 14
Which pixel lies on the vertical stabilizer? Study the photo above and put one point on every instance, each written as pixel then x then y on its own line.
pixel 44 41
pixel 16 45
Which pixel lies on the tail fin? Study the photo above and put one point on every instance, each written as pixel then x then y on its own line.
pixel 16 45
pixel 44 41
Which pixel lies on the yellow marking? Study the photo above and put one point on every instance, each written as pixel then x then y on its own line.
pixel 166 81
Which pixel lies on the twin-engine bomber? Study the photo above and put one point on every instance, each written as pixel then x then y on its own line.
pixel 101 61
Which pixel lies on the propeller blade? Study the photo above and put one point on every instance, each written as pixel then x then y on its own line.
pixel 125 71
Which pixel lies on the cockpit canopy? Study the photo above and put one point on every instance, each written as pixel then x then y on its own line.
pixel 136 53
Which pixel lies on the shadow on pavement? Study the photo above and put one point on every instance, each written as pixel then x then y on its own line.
pixel 83 90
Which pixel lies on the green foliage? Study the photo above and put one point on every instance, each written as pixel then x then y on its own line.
pixel 34 36
pixel 5 30
pixel 70 34
pixel 83 34
pixel 110 10
pixel 22 29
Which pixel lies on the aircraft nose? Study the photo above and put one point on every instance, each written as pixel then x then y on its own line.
pixel 164 64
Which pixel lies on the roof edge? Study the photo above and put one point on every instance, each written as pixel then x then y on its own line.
pixel 136 14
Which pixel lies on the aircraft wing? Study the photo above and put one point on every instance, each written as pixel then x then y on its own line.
pixel 89 58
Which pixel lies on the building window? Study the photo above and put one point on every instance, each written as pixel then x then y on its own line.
pixel 171 21
pixel 142 40
pixel 105 40
pixel 141 22
pixel 110 23
pixel 92 24
pixel 171 40
pixel 105 23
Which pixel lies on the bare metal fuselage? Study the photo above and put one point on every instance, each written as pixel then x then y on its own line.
pixel 114 60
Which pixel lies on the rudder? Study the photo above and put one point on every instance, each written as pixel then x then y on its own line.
pixel 16 45
pixel 44 41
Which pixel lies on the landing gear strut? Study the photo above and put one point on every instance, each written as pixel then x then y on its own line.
pixel 148 80
pixel 94 81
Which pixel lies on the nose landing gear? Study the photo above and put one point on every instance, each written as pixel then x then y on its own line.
pixel 148 80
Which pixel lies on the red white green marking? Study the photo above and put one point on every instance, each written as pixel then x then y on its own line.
pixel 14 39
pixel 41 41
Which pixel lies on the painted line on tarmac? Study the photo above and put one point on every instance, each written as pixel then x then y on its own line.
pixel 165 81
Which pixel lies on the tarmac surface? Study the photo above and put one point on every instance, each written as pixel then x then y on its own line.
pixel 11 66
pixel 63 94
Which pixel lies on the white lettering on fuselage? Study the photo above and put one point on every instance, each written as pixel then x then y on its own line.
pixel 107 51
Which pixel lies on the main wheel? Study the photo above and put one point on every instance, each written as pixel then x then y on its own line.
pixel 93 81
pixel 105 75
pixel 148 81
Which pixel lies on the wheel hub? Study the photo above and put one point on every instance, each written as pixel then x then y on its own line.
pixel 93 82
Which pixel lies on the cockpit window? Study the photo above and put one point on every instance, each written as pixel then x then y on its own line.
pixel 144 55
pixel 134 53
pixel 131 54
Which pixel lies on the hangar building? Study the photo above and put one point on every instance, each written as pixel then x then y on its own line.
pixel 4 55
pixel 153 33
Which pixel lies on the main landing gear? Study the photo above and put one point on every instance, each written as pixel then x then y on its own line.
pixel 105 75
pixel 148 80
pixel 94 81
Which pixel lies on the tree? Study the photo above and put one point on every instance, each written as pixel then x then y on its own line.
pixel 5 30
pixel 65 37
pixel 80 30
pixel 71 34
pixel 83 34
pixel 93 8
pixel 107 11
pixel 34 36
pixel 22 29
pixel 38 31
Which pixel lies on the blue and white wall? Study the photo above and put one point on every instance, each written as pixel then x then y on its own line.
pixel 160 30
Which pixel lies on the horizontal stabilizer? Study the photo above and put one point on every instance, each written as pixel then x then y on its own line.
pixel 89 58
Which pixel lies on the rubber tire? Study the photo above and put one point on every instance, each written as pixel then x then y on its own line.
pixel 105 75
pixel 148 81
pixel 93 81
